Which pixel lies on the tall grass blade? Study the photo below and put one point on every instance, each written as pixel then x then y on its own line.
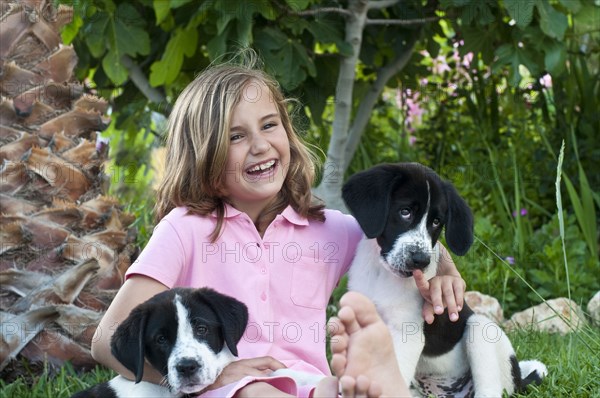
pixel 561 219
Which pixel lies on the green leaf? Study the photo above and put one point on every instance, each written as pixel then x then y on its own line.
pixel 223 21
pixel 573 6
pixel 162 9
pixel 95 36
pixel 218 44
pixel 128 33
pixel 477 9
pixel 325 31
pixel 70 31
pixel 555 58
pixel 507 54
pixel 244 32
pixel 270 39
pixel 477 41
pixel 184 42
pixel 262 7
pixel 286 57
pixel 111 63
pixel 297 5
pixel 521 11
pixel 552 22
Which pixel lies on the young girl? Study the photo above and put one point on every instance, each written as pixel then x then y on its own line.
pixel 236 214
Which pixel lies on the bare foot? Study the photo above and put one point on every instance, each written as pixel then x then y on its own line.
pixel 361 345
pixel 360 387
pixel 327 388
pixel 350 387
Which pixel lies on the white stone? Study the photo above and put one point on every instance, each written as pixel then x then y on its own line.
pixel 483 304
pixel 593 308
pixel 566 317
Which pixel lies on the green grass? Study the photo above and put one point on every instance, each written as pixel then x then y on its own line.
pixel 573 369
pixel 59 383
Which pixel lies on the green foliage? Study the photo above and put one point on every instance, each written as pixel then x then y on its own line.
pixel 573 368
pixel 63 382
pixel 572 362
pixel 495 132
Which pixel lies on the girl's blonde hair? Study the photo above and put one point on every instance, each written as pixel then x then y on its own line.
pixel 198 142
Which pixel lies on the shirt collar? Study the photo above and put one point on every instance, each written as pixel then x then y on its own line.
pixel 288 213
pixel 292 216
pixel 230 211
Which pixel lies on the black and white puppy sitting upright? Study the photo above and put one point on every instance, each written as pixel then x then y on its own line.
pixel 402 209
pixel 188 335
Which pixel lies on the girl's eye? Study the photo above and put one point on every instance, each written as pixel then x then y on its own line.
pixel 235 137
pixel 405 212
pixel 268 126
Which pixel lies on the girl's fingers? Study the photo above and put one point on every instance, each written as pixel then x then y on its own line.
pixel 435 291
pixel 459 292
pixel 427 312
pixel 422 284
pixel 449 299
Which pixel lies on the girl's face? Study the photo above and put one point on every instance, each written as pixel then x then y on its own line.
pixel 259 151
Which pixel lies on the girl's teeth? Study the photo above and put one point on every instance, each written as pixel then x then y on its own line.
pixel 262 167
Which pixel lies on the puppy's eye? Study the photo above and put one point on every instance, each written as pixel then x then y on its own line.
pixel 200 330
pixel 161 339
pixel 405 212
pixel 436 222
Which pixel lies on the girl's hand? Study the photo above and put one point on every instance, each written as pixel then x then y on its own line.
pixel 439 292
pixel 237 370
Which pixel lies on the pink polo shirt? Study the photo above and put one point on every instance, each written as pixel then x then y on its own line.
pixel 285 278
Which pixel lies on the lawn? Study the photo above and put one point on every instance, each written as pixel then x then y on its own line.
pixel 573 363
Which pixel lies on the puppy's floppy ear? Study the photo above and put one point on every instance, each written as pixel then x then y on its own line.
pixel 232 314
pixel 459 227
pixel 368 194
pixel 127 344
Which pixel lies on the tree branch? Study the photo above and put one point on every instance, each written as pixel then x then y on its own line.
pixel 333 174
pixel 138 78
pixel 323 10
pixel 368 102
pixel 402 22
pixel 378 5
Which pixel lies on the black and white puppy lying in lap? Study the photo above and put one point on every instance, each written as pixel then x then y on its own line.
pixel 402 209
pixel 188 335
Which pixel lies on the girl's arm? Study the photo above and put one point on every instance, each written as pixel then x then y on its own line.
pixel 446 289
pixel 134 291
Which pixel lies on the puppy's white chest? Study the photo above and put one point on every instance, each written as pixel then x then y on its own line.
pixel 143 389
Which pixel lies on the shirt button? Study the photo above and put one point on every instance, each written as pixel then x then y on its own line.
pixel 263 296
pixel 263 271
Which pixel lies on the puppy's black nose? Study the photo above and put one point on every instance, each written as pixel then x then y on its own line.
pixel 420 259
pixel 187 367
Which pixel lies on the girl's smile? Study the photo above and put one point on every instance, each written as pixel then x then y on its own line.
pixel 262 170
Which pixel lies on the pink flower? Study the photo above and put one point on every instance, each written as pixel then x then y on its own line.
pixel 522 212
pixel 546 80
pixel 467 59
pixel 510 260
pixel 440 65
pixel 101 143
pixel 414 112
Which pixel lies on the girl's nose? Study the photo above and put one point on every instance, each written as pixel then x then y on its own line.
pixel 260 144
